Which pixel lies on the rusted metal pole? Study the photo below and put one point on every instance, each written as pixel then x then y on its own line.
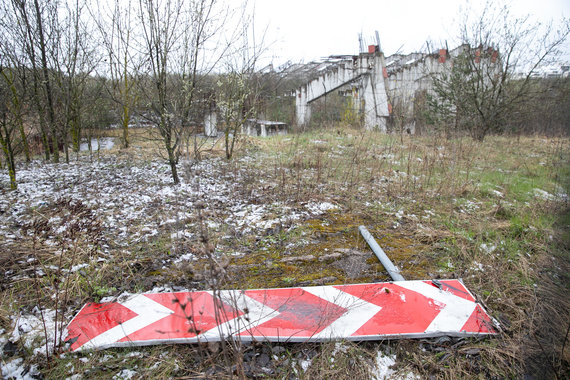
pixel 392 270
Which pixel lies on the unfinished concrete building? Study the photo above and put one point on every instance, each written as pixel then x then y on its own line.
pixel 388 92
pixel 361 75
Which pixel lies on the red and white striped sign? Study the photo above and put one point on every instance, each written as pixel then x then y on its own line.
pixel 403 309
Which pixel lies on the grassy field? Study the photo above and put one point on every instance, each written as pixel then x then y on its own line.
pixel 284 212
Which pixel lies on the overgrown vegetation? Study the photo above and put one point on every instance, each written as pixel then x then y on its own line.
pixel 493 213
pixel 484 88
pixel 174 210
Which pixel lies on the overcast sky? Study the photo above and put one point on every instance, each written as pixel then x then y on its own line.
pixel 303 30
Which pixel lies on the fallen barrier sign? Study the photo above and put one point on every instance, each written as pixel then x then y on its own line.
pixel 402 309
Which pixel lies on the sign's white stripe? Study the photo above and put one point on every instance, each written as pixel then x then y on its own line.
pixel 455 310
pixel 255 313
pixel 357 313
pixel 148 311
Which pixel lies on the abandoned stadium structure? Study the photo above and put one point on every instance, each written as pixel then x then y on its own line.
pixel 389 94
pixel 378 85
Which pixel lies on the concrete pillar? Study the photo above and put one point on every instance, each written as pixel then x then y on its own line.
pixel 374 95
pixel 210 124
pixel 302 107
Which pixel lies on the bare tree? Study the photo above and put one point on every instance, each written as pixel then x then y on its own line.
pixel 7 128
pixel 178 49
pixel 478 92
pixel 239 89
pixel 117 28
pixel 14 78
pixel 162 29
pixel 37 35
pixel 74 60
pixel 13 85
pixel 236 105
pixel 14 73
pixel 25 22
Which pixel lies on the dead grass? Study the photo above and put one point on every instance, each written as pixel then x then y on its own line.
pixel 439 208
pixel 481 196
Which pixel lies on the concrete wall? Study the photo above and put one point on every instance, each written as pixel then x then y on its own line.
pixel 408 76
pixel 363 72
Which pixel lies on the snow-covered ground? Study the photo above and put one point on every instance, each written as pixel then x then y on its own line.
pixel 135 200
pixel 132 202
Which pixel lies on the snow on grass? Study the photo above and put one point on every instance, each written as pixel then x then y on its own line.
pixel 467 206
pixel 384 364
pixel 320 208
pixel 383 369
pixel 125 374
pixel 77 267
pixel 400 214
pixel 487 248
pixel 137 202
pixel 180 235
pixel 305 364
pixel 17 369
pixel 185 257
pixel 33 329
pixel 477 266
pixel 134 201
pixel 544 195
pixel 251 216
pixel 498 193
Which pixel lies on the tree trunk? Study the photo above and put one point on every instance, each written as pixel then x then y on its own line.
pixel 47 84
pixel 126 105
pixel 9 154
pixel 126 119
pixel 173 169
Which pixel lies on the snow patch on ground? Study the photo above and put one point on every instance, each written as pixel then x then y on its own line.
pixel 384 371
pixel 185 257
pixel 544 195
pixel 477 266
pixel 466 206
pixel 339 347
pixel 77 267
pixel 16 369
pixel 180 235
pixel 305 364
pixel 136 201
pixel 29 329
pixel 487 248
pixel 125 374
pixel 384 364
pixel 320 208
pixel 498 193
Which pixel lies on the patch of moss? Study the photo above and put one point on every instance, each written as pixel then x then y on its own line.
pixel 335 231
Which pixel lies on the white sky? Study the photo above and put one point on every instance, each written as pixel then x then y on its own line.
pixel 303 30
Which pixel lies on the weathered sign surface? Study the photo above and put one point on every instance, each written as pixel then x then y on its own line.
pixel 403 309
